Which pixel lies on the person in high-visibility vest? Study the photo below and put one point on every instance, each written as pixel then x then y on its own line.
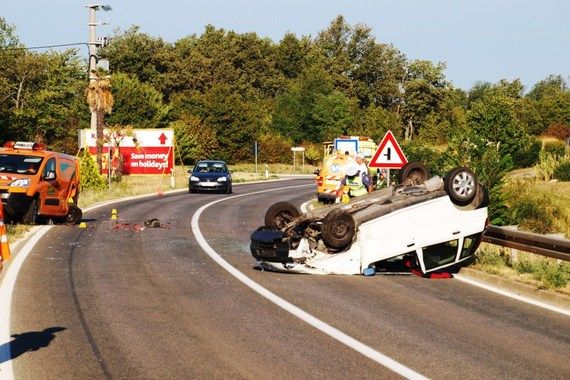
pixel 364 174
pixel 353 181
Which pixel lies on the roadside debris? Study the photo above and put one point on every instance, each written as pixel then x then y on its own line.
pixel 153 223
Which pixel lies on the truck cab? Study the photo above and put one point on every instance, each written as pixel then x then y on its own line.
pixel 38 184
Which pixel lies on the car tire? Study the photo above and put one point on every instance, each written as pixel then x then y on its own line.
pixel 31 216
pixel 413 173
pixel 461 186
pixel 481 198
pixel 338 229
pixel 280 214
pixel 74 215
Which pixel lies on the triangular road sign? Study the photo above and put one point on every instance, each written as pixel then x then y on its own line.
pixel 389 155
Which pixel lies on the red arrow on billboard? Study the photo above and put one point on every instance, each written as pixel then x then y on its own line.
pixel 162 138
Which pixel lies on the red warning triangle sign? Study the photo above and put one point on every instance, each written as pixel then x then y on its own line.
pixel 389 155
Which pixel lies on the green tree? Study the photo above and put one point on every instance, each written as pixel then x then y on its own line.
pixel 194 140
pixel 40 97
pixel 135 103
pixel 425 92
pixel 375 121
pixel 493 118
pixel 548 103
pixel 361 67
pixel 292 54
pixel 295 114
pixel 137 54
pixel 332 115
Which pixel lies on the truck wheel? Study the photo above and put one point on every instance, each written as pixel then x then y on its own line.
pixel 74 215
pixel 280 214
pixel 31 216
pixel 338 229
pixel 413 173
pixel 461 186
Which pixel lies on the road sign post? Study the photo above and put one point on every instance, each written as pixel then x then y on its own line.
pixel 296 149
pixel 388 156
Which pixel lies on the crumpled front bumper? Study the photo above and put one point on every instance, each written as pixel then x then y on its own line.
pixel 269 245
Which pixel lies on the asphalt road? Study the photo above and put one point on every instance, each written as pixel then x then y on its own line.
pixel 117 301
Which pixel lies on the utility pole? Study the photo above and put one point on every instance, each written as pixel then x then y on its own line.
pixel 93 48
pixel 92 54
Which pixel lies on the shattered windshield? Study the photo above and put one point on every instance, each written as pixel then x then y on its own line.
pixel 18 164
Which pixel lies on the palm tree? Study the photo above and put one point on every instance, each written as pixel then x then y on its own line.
pixel 100 100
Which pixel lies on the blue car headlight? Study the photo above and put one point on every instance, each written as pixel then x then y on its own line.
pixel 194 179
pixel 222 179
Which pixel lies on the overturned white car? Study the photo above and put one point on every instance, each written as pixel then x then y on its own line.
pixel 432 224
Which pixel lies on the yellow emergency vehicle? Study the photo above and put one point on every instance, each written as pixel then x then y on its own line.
pixel 339 155
pixel 38 184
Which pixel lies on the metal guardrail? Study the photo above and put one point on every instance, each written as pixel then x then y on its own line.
pixel 529 242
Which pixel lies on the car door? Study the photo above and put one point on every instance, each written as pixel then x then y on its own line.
pixel 51 190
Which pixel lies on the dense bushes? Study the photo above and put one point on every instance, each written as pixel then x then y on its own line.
pixel 90 177
pixel 555 148
pixel 529 155
pixel 562 172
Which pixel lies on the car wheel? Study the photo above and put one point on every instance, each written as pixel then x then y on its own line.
pixel 31 216
pixel 461 186
pixel 413 173
pixel 229 189
pixel 74 215
pixel 481 198
pixel 338 229
pixel 280 214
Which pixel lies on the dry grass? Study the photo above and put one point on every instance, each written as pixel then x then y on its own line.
pixel 535 270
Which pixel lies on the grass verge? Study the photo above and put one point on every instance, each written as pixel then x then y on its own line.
pixel 538 271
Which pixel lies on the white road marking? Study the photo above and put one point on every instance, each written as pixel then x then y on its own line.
pixel 296 311
pixel 511 295
pixel 6 289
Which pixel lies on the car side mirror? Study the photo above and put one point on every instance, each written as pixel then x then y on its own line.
pixel 50 175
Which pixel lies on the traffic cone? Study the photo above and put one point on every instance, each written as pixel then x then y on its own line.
pixel 114 214
pixel 4 246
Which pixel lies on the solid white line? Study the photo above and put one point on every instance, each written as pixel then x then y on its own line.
pixel 11 270
pixel 296 311
pixel 511 295
pixel 6 289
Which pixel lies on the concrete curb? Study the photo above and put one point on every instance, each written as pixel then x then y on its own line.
pixel 547 296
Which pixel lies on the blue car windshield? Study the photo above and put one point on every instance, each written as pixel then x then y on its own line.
pixel 210 167
pixel 11 163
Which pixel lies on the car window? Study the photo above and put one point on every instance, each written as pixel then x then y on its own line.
pixel 470 244
pixel 19 164
pixel 67 169
pixel 50 166
pixel 440 254
pixel 210 167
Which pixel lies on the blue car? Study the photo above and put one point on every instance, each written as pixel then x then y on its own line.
pixel 210 175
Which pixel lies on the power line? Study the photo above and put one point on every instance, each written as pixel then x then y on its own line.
pixel 44 47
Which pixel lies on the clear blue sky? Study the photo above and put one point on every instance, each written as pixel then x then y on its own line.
pixel 479 40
